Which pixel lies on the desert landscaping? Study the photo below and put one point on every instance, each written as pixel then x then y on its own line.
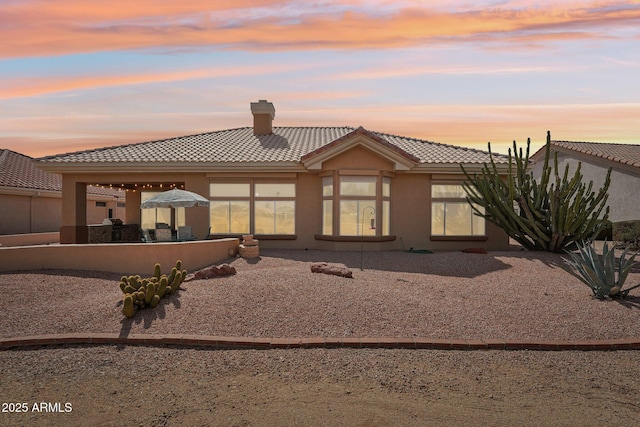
pixel 511 295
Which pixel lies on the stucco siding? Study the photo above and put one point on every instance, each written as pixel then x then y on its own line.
pixel 624 190
pixel 411 211
pixel 21 214
pixel 15 215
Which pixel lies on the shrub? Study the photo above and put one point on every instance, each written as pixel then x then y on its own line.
pixel 599 273
pixel 627 233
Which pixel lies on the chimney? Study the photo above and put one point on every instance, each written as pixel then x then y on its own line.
pixel 263 115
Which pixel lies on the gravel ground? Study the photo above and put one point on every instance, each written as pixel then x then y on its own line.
pixel 507 295
pixel 502 295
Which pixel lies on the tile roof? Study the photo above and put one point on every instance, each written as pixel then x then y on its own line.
pixel 18 171
pixel 628 154
pixel 285 144
pixel 361 131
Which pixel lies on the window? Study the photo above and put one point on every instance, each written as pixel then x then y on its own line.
pixel 451 214
pixel 229 208
pixel 253 208
pixel 275 208
pixel 359 207
pixel 327 205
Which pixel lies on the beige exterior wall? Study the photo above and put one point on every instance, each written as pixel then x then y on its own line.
pixel 41 212
pixel 30 239
pixel 623 198
pixel 130 258
pixel 410 213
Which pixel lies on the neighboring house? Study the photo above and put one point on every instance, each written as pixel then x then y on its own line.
pixel 31 199
pixel 294 187
pixel 596 159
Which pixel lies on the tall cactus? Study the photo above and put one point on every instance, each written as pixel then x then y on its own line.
pixel 551 215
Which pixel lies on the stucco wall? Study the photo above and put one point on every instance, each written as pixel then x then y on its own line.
pixel 124 258
pixel 29 239
pixel 624 189
pixel 15 214
pixel 29 214
pixel 20 214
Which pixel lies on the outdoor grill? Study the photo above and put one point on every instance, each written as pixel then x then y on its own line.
pixel 116 229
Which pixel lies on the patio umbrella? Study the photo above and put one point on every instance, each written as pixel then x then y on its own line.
pixel 175 199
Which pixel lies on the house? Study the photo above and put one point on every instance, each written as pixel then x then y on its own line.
pixel 596 159
pixel 31 199
pixel 336 188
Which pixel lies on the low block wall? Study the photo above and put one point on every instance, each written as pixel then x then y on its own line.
pixel 30 239
pixel 125 258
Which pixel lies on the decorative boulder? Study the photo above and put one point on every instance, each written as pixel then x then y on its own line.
pixel 214 271
pixel 334 270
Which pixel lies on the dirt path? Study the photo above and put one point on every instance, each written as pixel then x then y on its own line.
pixel 114 386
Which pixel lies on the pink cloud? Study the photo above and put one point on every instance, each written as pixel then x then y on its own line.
pixel 17 88
pixel 73 26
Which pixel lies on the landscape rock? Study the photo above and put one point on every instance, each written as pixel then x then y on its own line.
pixel 331 269
pixel 214 271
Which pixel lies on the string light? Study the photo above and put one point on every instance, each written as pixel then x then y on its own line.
pixel 137 186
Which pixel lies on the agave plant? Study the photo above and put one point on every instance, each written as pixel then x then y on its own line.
pixel 599 272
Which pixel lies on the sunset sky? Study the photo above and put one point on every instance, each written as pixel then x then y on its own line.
pixel 79 74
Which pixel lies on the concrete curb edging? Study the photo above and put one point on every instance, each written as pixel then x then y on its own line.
pixel 217 342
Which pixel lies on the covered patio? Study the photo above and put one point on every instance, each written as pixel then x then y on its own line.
pixel 131 228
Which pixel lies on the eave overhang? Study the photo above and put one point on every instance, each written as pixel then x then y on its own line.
pixel 455 168
pixel 167 167
pixel 30 192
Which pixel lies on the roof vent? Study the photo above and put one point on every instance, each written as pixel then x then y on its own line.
pixel 263 115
